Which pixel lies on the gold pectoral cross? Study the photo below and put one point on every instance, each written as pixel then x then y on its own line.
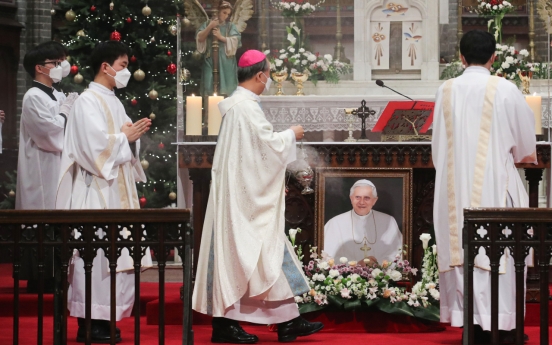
pixel 365 249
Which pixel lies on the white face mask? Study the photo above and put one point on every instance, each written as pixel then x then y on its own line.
pixel 56 74
pixel 66 67
pixel 121 77
pixel 267 83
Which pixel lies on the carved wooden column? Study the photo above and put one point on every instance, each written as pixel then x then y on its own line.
pixel 201 179
pixel 533 176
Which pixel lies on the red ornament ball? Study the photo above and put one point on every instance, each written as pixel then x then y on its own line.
pixel 143 201
pixel 169 53
pixel 134 102
pixel 161 146
pixel 171 68
pixel 92 8
pixel 129 20
pixel 74 69
pixel 115 36
pixel 133 59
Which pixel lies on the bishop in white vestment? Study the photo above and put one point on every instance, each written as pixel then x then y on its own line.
pixel 247 269
pixel 363 232
pixel 482 127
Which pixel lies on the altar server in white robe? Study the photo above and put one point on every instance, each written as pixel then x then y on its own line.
pixel 41 135
pixel 100 165
pixel 363 233
pixel 247 269
pixel 482 126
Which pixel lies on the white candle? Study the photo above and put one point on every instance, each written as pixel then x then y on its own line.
pixel 535 103
pixel 193 115
pixel 214 118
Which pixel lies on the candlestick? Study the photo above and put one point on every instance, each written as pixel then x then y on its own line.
pixel 193 115
pixel 214 117
pixel 535 103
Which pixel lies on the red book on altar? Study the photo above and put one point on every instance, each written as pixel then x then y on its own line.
pixel 408 118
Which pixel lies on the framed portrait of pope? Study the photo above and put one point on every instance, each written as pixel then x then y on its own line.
pixel 364 214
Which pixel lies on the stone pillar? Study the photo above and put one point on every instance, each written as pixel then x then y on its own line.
pixel 447 33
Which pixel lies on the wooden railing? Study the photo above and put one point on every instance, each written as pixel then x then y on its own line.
pixel 516 229
pixel 40 231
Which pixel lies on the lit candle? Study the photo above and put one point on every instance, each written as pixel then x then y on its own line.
pixel 193 115
pixel 535 103
pixel 214 118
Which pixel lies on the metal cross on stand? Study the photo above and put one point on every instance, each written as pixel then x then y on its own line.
pixel 365 249
pixel 363 112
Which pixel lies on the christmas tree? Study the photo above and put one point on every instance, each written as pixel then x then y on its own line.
pixel 150 31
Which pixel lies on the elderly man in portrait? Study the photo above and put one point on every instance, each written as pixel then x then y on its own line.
pixel 363 233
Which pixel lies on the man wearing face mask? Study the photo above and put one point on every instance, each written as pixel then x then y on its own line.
pixel 247 269
pixel 99 169
pixel 65 68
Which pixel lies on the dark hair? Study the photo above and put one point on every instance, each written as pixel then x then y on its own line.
pixel 224 5
pixel 477 47
pixel 246 73
pixel 37 55
pixel 63 52
pixel 107 52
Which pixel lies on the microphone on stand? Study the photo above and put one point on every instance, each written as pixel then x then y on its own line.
pixel 380 83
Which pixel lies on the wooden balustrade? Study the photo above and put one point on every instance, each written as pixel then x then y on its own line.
pixel 40 231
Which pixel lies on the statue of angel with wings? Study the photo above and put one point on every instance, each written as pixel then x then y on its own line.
pixel 218 39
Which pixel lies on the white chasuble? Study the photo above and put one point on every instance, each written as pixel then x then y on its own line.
pixel 490 127
pixel 99 171
pixel 357 237
pixel 40 145
pixel 245 258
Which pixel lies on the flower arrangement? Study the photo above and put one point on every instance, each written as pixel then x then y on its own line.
pixel 509 62
pixel 296 8
pixel 351 285
pixel 493 7
pixel 326 68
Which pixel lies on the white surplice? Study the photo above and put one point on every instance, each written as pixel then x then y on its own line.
pixel 40 145
pixel 511 138
pixel 345 234
pixel 242 272
pixel 99 171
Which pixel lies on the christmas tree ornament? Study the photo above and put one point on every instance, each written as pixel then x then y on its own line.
pixel 129 20
pixel 159 21
pixel 153 94
pixel 70 15
pixel 186 22
pixel 169 53
pixel 115 36
pixel 93 8
pixel 81 33
pixel 185 74
pixel 143 201
pixel 146 10
pixel 145 164
pixel 11 193
pixel 172 195
pixel 171 68
pixel 196 55
pixel 111 6
pixel 152 116
pixel 152 40
pixel 134 102
pixel 161 146
pixel 133 59
pixel 78 78
pixel 172 30
pixel 68 58
pixel 53 12
pixel 139 75
pixel 74 69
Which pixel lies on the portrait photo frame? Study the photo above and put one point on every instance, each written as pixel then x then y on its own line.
pixel 394 187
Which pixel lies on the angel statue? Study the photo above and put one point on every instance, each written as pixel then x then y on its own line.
pixel 218 39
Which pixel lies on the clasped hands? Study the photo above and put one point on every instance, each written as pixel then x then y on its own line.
pixel 134 131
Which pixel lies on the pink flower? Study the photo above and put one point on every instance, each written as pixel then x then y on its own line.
pixel 345 293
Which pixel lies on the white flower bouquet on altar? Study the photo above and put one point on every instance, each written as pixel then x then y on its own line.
pixel 295 8
pixel 349 285
pixel 328 69
pixel 509 63
pixel 493 7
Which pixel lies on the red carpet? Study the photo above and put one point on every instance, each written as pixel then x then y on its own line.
pixel 340 328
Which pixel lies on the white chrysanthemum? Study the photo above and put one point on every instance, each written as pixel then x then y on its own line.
pixel 311 57
pixel 283 56
pixel 524 52
pixel 333 273
pixel 328 57
pixel 376 272
pixel 286 6
pixel 297 8
pixel 304 62
pixel 395 275
pixel 495 7
pixel 278 62
pixel 488 6
pixel 343 260
pixel 510 59
pixel 291 50
pixel 505 65
pixel 282 51
pixel 435 294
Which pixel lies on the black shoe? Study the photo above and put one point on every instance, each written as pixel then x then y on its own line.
pixel 100 332
pixel 484 337
pixel 298 327
pixel 229 331
pixel 509 337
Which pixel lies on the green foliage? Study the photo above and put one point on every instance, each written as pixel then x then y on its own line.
pixel 153 46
